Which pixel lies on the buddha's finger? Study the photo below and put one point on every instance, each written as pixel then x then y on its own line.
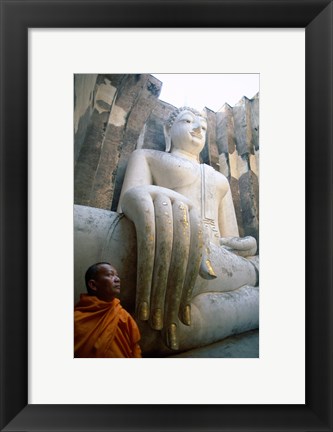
pixel 164 238
pixel 246 244
pixel 138 206
pixel 177 271
pixel 206 270
pixel 193 265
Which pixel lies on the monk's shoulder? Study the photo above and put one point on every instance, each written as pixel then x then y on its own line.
pixel 125 316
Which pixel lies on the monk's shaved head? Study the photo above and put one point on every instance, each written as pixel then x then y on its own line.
pixel 92 272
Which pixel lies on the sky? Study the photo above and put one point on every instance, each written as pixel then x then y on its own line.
pixel 207 90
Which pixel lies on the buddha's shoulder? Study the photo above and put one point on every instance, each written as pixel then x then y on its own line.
pixel 218 176
pixel 209 169
pixel 148 153
pixel 151 155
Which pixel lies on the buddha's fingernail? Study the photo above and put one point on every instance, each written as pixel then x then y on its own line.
pixel 157 321
pixel 187 315
pixel 172 337
pixel 206 270
pixel 143 311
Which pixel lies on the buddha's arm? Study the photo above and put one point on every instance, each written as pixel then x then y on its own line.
pixel 245 246
pixel 169 244
pixel 137 174
pixel 169 240
pixel 227 217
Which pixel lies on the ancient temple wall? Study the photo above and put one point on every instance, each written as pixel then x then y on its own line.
pixel 115 114
pixel 238 144
pixel 84 95
pixel 121 107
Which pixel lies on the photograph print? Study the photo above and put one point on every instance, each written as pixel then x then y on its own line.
pixel 166 215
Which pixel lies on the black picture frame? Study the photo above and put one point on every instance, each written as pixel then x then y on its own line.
pixel 16 17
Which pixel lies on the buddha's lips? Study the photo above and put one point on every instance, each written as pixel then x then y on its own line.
pixel 196 135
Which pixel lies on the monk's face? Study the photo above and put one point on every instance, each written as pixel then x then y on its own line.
pixel 106 283
pixel 188 132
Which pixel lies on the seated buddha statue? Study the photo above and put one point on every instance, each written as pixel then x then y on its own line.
pixel 196 279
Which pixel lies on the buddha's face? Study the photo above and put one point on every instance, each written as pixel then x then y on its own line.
pixel 188 132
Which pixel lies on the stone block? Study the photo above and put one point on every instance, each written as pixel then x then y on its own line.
pixel 211 139
pixel 225 133
pixel 242 124
pixel 254 104
pixel 224 165
pixel 249 198
pixel 84 95
pixel 89 157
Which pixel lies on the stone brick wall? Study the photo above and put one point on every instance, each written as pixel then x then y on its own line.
pixel 237 139
pixel 121 107
pixel 115 114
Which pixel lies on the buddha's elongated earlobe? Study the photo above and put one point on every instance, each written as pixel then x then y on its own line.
pixel 167 137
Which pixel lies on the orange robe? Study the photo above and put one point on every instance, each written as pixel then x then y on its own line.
pixel 104 329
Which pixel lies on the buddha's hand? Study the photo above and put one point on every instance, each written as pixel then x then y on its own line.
pixel 243 246
pixel 170 248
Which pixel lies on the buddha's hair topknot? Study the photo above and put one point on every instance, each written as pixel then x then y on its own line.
pixel 176 113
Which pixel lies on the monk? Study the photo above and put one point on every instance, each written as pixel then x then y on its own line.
pixel 102 328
